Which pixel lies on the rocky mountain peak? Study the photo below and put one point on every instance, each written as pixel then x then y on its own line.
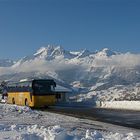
pixel 106 52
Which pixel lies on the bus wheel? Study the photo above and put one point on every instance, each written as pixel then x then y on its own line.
pixel 13 101
pixel 26 102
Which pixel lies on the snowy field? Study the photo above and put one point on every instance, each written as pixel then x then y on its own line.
pixel 22 123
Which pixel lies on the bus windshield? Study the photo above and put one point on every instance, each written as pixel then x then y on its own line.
pixel 43 86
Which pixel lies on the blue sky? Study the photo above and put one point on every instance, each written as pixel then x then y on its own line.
pixel 26 25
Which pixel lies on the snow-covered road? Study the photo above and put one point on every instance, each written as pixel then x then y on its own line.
pixel 128 118
pixel 22 123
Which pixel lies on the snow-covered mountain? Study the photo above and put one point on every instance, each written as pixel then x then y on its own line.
pixel 105 53
pixel 83 71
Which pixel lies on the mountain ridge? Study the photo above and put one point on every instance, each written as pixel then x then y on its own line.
pixel 81 70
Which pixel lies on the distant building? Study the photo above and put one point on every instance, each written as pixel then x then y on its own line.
pixel 62 93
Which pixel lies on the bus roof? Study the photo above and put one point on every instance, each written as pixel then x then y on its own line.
pixel 30 81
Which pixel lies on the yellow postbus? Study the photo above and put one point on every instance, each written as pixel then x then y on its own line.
pixel 33 93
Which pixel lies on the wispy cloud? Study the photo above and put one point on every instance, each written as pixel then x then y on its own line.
pixel 41 65
pixel 121 60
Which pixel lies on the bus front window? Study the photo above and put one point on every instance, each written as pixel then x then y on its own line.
pixel 42 87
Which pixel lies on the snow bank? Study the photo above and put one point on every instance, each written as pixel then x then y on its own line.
pixel 35 132
pixel 130 105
